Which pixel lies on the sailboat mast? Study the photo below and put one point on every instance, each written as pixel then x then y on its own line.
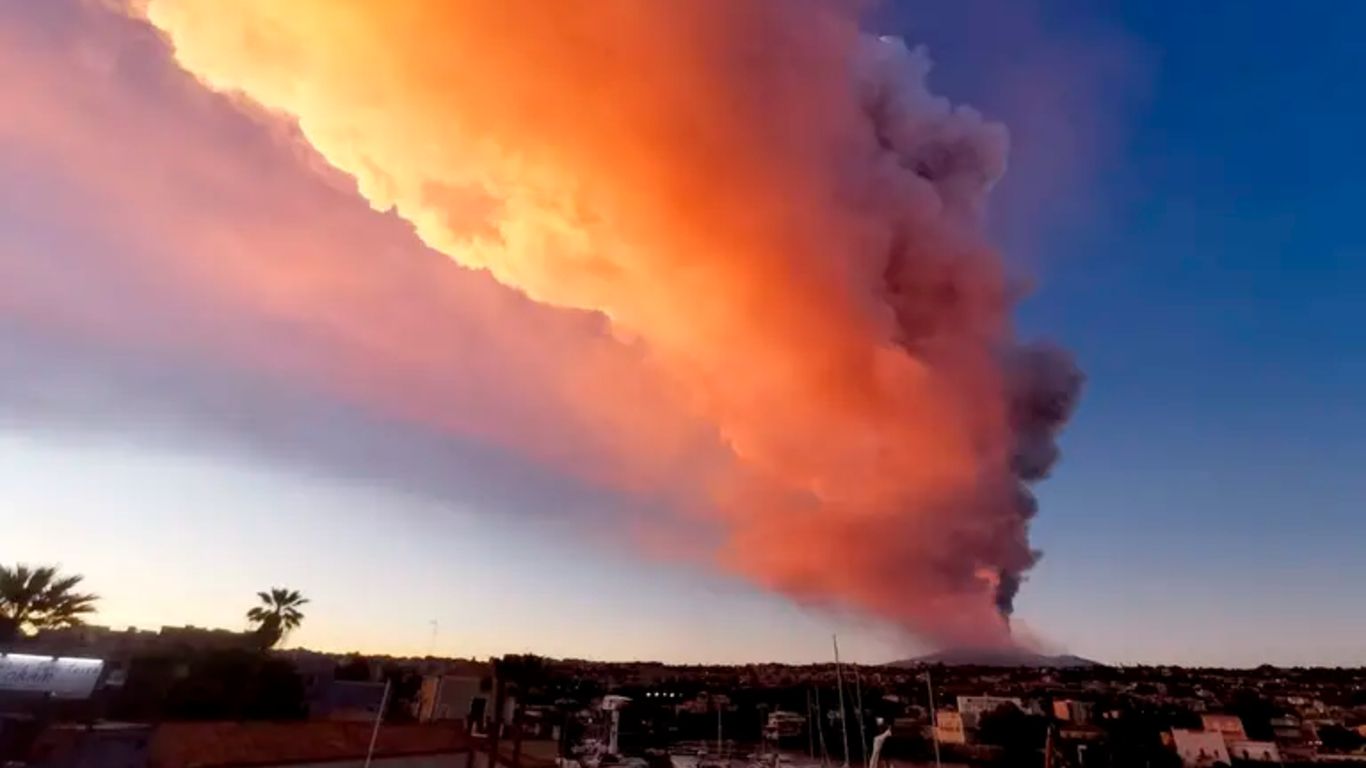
pixel 719 743
pixel 934 718
pixel 858 714
pixel 820 721
pixel 839 684
pixel 810 722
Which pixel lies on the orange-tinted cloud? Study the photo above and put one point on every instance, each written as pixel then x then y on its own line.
pixel 170 224
pixel 770 307
pixel 768 201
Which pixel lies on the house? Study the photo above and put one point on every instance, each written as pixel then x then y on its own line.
pixel 1255 751
pixel 973 707
pixel 1231 726
pixel 1081 732
pixel 1199 749
pixel 122 644
pixel 1073 711
pixel 451 697
pixel 949 728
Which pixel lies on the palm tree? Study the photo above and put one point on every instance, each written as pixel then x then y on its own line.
pixel 39 598
pixel 277 614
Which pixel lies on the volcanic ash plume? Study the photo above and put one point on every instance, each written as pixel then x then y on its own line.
pixel 766 201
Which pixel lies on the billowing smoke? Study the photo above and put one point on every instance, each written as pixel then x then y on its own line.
pixel 767 202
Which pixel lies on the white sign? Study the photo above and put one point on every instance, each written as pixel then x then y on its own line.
pixel 64 678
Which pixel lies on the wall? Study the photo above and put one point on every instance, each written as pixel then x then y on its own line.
pixel 448 697
pixel 445 760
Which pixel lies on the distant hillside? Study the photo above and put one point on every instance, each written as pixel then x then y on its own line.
pixel 998 657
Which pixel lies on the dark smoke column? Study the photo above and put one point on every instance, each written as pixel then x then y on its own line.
pixel 1045 387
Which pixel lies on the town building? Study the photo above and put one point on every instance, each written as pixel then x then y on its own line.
pixel 1255 751
pixel 1199 749
pixel 784 725
pixel 451 697
pixel 948 728
pixel 115 645
pixel 1230 726
pixel 973 707
pixel 1073 711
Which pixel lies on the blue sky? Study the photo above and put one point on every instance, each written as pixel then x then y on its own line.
pixel 1209 501
pixel 1199 248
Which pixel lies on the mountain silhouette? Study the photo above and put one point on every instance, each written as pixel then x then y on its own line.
pixel 995 657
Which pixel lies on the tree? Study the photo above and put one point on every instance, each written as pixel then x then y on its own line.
pixel 403 696
pixel 277 614
pixel 235 684
pixel 524 673
pixel 39 598
pixel 520 675
pixel 1255 712
pixel 1019 734
pixel 355 669
pixel 1336 738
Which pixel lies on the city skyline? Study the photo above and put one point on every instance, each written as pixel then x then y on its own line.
pixel 1177 199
